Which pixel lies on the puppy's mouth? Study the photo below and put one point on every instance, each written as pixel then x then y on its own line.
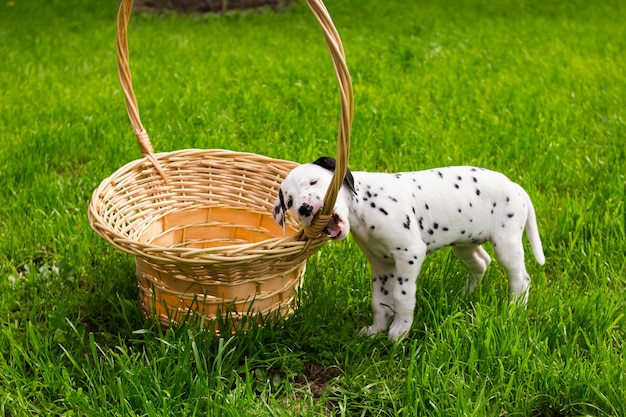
pixel 332 229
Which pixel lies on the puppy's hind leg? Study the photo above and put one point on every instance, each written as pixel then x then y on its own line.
pixel 477 260
pixel 510 254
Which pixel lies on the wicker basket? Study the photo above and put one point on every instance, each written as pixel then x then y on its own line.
pixel 199 222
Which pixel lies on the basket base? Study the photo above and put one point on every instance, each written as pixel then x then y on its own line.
pixel 215 302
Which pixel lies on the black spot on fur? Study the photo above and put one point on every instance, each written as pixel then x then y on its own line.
pixel 477 191
pixel 281 198
pixel 373 205
pixel 382 210
pixel 407 223
pixel 395 200
pixel 456 186
pixel 426 206
pixel 436 225
pixel 510 215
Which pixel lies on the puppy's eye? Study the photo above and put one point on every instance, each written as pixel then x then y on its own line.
pixel 313 182
pixel 289 203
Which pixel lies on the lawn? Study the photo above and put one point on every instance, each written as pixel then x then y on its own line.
pixel 534 89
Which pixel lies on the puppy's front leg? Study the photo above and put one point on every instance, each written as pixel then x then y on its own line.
pixel 383 285
pixel 408 264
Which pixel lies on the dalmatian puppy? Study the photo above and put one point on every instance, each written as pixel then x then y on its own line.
pixel 397 219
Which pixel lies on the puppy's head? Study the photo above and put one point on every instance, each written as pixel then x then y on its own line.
pixel 302 195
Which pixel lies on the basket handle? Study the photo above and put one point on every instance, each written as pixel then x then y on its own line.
pixel 123 72
pixel 337 54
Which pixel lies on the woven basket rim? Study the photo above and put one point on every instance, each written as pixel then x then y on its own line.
pixel 270 247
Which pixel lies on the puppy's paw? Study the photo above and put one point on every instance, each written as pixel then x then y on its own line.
pixel 371 330
pixel 398 331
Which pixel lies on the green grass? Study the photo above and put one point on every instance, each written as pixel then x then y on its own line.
pixel 534 89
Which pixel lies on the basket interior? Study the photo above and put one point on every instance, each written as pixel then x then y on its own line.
pixel 213 226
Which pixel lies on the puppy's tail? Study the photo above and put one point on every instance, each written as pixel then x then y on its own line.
pixel 532 231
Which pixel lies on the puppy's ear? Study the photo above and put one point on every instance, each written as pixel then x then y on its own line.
pixel 330 164
pixel 326 162
pixel 349 181
pixel 280 210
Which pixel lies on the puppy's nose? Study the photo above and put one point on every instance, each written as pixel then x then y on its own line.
pixel 305 210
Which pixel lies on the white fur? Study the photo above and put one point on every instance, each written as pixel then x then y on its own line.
pixel 398 219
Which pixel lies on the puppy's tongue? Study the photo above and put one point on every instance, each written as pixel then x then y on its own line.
pixel 332 229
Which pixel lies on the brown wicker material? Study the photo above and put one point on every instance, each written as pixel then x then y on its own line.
pixel 199 222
